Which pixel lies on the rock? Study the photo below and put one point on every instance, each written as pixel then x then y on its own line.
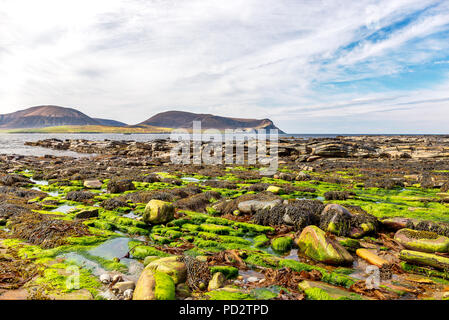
pixel 17 294
pixel 282 244
pixel 252 206
pixel 82 294
pixel 105 278
pixel 286 176
pixel 128 294
pixel 114 203
pixel 316 290
pixel 423 258
pixel 119 186
pixel 92 184
pixel 177 270
pixel 217 281
pixel 314 243
pixel 326 149
pixel 150 259
pixel 154 286
pixel 151 178
pixel 371 257
pixel 336 219
pixel 424 241
pixel 123 286
pixel 252 279
pixel 14 180
pixel 182 290
pixel 86 214
pixel 79 196
pixel 158 211
pixel 302 176
pixel 398 223
pixel 274 189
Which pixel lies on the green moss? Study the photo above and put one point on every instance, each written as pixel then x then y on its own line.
pixel 165 287
pixel 317 294
pixel 336 278
pixel 228 271
pixel 261 241
pixel 262 260
pixel 282 244
pixel 264 293
pixel 228 295
pixel 55 278
pixel 423 270
pixel 140 251
pixel 218 229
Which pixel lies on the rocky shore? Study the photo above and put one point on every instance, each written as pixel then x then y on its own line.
pixel 360 217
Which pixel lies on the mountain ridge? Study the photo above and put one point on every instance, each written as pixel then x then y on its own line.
pixel 49 116
pixel 184 119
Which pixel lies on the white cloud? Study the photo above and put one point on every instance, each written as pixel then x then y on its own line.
pixel 128 59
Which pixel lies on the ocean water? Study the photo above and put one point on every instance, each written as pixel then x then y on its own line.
pixel 14 143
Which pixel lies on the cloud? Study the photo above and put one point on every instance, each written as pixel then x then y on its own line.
pixel 308 65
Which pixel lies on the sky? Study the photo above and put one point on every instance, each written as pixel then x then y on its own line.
pixel 311 66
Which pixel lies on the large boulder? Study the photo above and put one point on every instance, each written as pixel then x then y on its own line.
pixel 154 286
pixel 314 243
pixel 158 211
pixel 424 241
pixel 171 266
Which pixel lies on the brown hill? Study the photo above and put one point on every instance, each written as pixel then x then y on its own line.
pixel 45 116
pixel 181 119
pixel 50 116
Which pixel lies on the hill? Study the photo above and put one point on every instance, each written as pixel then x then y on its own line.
pixel 45 116
pixel 182 119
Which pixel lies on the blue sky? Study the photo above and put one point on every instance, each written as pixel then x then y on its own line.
pixel 311 66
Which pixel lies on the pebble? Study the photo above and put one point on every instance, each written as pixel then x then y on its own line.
pixel 128 294
pixel 105 278
pixel 124 286
pixel 252 279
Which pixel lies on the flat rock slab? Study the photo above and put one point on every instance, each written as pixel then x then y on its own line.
pixel 424 258
pixel 18 294
pixel 335 293
pixel 82 294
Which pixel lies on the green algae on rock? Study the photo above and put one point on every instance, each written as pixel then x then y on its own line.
pixel 158 211
pixel 424 241
pixel 314 243
pixel 282 244
pixel 154 286
pixel 171 266
pixel 423 258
